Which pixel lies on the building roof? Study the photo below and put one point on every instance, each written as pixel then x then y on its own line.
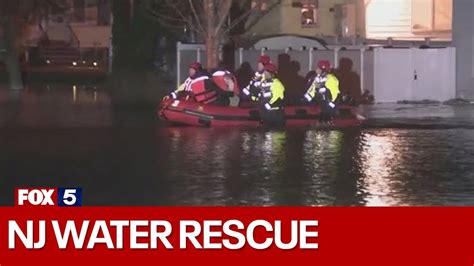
pixel 280 42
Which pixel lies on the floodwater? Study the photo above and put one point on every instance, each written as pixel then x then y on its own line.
pixel 53 136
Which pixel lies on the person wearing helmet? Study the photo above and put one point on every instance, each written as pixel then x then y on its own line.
pixel 324 86
pixel 195 73
pixel 272 93
pixel 200 87
pixel 252 89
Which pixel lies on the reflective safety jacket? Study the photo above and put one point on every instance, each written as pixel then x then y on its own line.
pixel 182 88
pixel 253 88
pixel 319 84
pixel 272 94
pixel 198 88
pixel 200 91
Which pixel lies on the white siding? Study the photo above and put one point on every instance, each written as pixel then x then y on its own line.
pixel 388 18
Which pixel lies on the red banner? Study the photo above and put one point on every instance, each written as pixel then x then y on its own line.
pixel 236 236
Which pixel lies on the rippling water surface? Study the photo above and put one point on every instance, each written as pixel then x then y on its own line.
pixel 77 136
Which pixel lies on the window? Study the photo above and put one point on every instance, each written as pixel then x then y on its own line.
pixel 309 13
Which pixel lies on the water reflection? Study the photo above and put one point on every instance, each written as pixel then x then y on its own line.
pixel 308 167
pixel 320 149
pixel 416 167
pixel 273 164
pixel 74 93
pixel 379 155
pixel 55 105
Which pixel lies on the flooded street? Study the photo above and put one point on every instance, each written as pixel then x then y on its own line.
pixel 53 136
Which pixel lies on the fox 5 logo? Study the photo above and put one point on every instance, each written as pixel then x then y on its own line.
pixel 62 197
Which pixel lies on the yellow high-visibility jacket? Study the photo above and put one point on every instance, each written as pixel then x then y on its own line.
pixel 273 92
pixel 278 91
pixel 329 82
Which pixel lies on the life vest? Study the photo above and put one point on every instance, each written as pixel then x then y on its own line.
pixel 332 83
pixel 218 78
pixel 198 89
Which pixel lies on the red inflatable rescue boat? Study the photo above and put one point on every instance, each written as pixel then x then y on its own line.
pixel 182 112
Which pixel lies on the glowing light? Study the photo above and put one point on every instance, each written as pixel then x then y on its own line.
pixel 74 88
pixel 74 63
pixel 83 61
pixel 95 63
pixel 48 62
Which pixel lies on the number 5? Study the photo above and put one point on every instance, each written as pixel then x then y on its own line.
pixel 69 197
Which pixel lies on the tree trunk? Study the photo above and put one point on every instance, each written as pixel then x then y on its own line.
pixel 212 42
pixel 12 61
pixel 212 52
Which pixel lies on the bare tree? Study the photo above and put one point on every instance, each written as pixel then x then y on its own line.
pixel 210 19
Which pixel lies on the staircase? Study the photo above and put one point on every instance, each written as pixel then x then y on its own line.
pixel 58 53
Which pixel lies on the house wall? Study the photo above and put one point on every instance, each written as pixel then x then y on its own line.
pixel 93 36
pixel 286 19
pixel 270 24
pixel 386 18
pixel 408 19
pixel 360 17
pixel 444 14
pixel 463 39
pixel 422 21
pixel 291 19
pixel 374 19
pixel 89 32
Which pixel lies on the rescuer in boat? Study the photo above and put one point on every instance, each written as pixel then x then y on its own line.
pixel 323 88
pixel 272 93
pixel 253 88
pixel 200 87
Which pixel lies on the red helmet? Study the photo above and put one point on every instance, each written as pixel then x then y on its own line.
pixel 265 60
pixel 196 66
pixel 271 68
pixel 324 65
